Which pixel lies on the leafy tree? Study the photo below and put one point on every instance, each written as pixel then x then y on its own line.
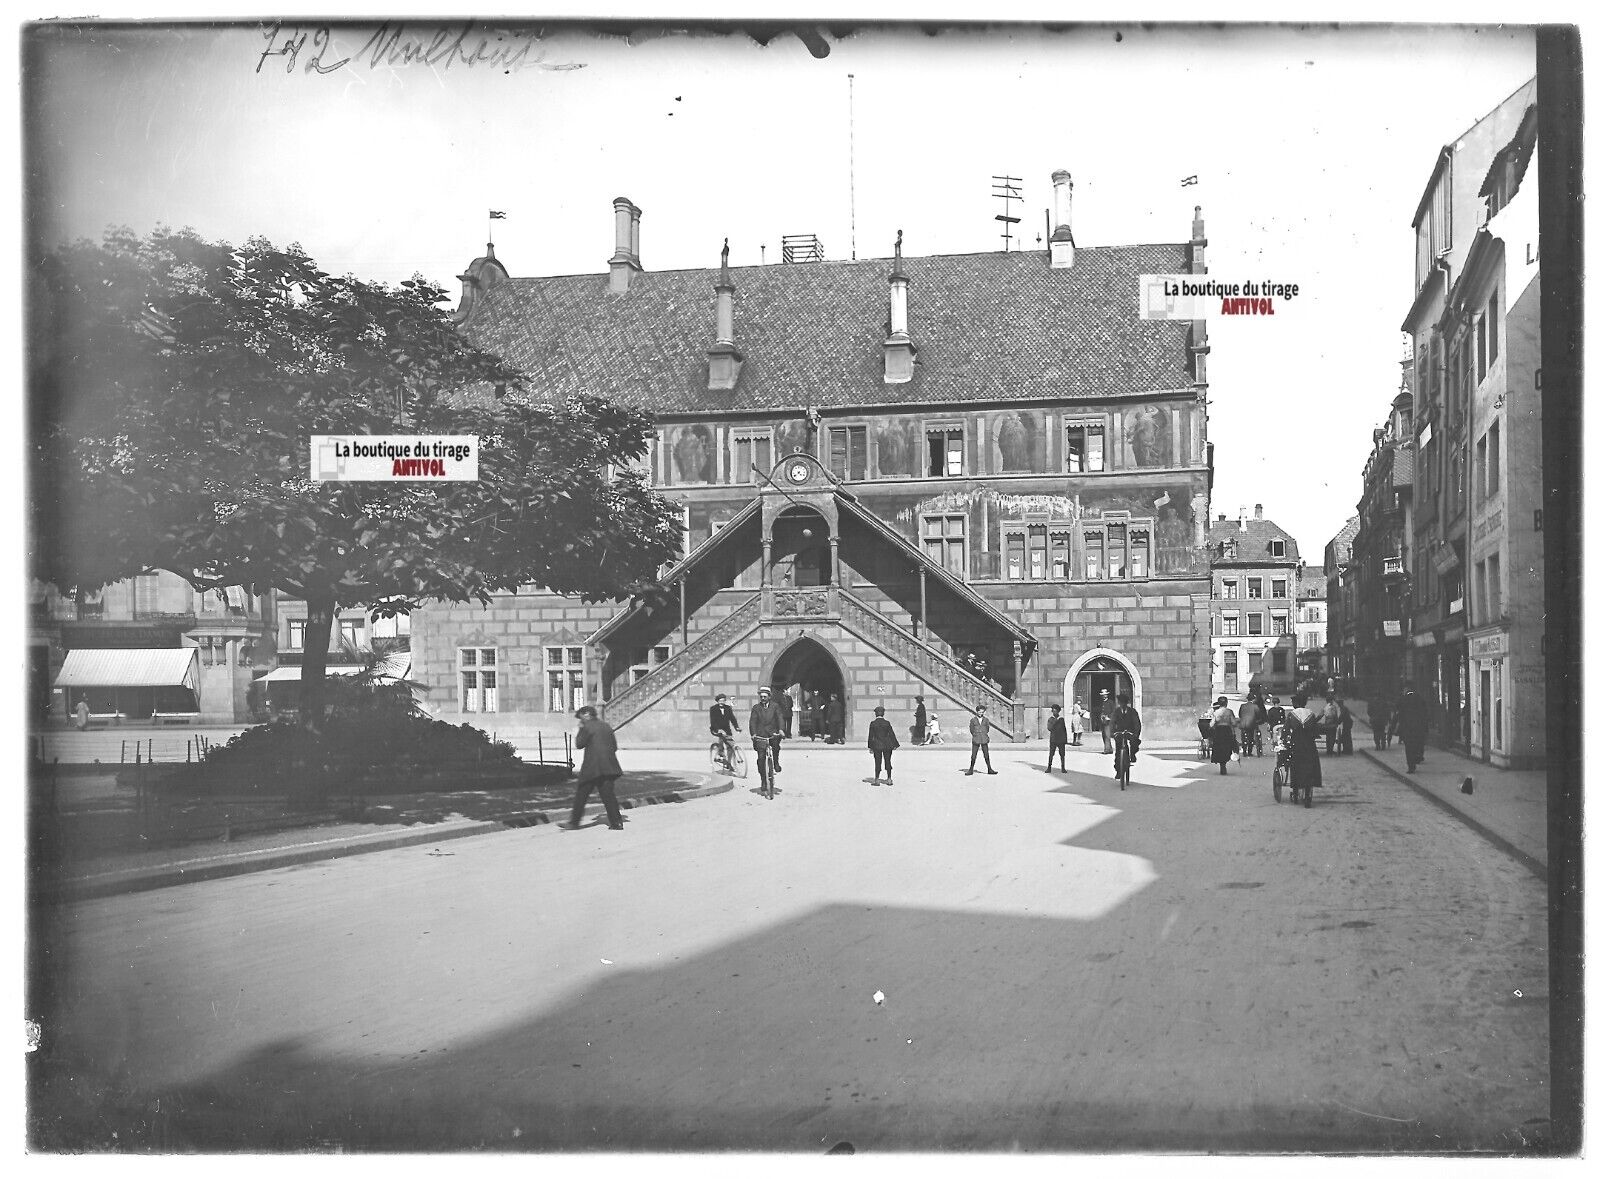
pixel 174 387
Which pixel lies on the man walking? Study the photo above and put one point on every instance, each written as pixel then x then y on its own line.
pixel 919 723
pixel 1058 739
pixel 600 769
pixel 786 707
pixel 882 742
pixel 980 741
pixel 835 720
pixel 1105 720
pixel 1411 722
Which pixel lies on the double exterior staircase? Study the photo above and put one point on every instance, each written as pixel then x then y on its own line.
pixel 634 699
pixel 925 662
pixel 822 603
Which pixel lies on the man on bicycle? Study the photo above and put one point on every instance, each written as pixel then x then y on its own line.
pixel 766 729
pixel 723 723
pixel 1125 719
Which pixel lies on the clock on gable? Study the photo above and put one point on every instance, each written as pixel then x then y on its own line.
pixel 799 472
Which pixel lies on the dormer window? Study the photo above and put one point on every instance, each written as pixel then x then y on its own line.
pixel 1276 548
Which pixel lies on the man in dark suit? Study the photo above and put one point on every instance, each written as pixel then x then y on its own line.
pixel 600 769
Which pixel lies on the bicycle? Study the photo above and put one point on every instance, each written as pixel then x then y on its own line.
pixel 725 755
pixel 763 746
pixel 1124 757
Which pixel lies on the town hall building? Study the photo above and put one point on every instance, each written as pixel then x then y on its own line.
pixel 979 479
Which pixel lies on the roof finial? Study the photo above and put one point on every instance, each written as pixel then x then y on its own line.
pixel 899 236
pixel 724 259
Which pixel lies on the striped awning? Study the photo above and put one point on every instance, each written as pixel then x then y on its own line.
pixel 134 667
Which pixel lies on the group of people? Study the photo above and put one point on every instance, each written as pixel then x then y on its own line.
pixel 1122 717
pixel 977 665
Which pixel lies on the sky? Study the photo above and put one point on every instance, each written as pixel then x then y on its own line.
pixel 1311 147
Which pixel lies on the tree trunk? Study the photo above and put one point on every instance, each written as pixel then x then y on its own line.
pixel 313 665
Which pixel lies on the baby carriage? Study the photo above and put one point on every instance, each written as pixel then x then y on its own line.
pixel 1204 725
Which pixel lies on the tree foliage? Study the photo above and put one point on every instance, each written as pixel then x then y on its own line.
pixel 175 384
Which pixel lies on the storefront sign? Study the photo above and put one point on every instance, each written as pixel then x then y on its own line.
pixel 1489 646
pixel 1391 628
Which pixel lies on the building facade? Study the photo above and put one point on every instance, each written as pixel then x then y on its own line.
pixel 1456 320
pixel 1311 624
pixel 1255 583
pixel 1381 553
pixel 980 479
pixel 1344 584
pixel 95 647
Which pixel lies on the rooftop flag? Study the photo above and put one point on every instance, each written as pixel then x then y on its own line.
pixel 496 215
pixel 1187 181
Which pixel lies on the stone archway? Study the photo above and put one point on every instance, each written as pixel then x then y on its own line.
pixel 810 662
pixel 1097 668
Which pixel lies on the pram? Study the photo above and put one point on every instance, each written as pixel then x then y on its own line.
pixel 1204 725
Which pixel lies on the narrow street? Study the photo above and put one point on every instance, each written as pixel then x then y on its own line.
pixel 1063 966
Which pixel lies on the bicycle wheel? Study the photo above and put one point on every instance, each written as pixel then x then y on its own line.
pixel 736 761
pixel 717 762
pixel 1277 783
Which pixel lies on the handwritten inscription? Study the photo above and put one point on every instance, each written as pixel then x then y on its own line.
pixel 394 44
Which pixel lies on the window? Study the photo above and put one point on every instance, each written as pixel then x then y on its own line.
pixel 1027 552
pixel 352 632
pixel 1280 662
pixel 563 673
pixel 1060 553
pixel 1313 639
pixel 1254 584
pixel 479 676
pixel 213 651
pixel 645 661
pixel 945 450
pixel 1480 589
pixel 1314 614
pixel 391 628
pixel 1483 345
pixel 1094 554
pixel 1139 554
pixel 1255 662
pixel 1253 624
pixel 1493 577
pixel 1116 551
pixel 751 448
pixel 1230 665
pixel 1280 624
pixel 1230 624
pixel 1494 326
pixel 1492 476
pixel 1280 587
pixel 1086 447
pixel 297 634
pixel 1276 548
pixel 847 452
pixel 944 538
pixel 1230 587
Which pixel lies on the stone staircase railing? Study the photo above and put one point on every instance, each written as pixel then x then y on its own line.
pixel 928 664
pixel 634 699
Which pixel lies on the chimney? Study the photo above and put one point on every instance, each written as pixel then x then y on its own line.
pixel 1199 347
pixel 1244 519
pixel 899 353
pixel 1061 245
pixel 1258 511
pixel 724 359
pixel 625 259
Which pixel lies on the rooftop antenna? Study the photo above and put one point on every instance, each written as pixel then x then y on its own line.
pixel 852 78
pixel 1007 189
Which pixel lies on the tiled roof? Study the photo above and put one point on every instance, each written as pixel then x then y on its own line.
pixel 986 326
pixel 1252 543
pixel 1313 582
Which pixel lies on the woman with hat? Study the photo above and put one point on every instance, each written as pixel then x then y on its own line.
pixel 882 741
pixel 1224 733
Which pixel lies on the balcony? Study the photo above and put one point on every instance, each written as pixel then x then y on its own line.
pixel 1394 568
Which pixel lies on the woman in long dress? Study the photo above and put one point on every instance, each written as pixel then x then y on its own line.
pixel 1304 761
pixel 1224 733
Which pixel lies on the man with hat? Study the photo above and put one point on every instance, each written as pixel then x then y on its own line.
pixel 979 728
pixel 600 769
pixel 919 723
pixel 766 727
pixel 882 741
pixel 723 723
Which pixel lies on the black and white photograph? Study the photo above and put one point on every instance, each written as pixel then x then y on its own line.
pixel 495 486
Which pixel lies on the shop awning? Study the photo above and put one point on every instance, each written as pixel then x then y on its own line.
pixel 394 668
pixel 134 667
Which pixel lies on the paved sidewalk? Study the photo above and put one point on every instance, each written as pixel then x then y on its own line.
pixel 167 866
pixel 1507 806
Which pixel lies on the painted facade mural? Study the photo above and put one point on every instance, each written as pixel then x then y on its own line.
pixel 693 454
pixel 1018 439
pixel 896 438
pixel 1147 431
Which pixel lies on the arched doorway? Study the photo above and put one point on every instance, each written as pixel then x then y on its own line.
pixel 812 675
pixel 800 550
pixel 1098 672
